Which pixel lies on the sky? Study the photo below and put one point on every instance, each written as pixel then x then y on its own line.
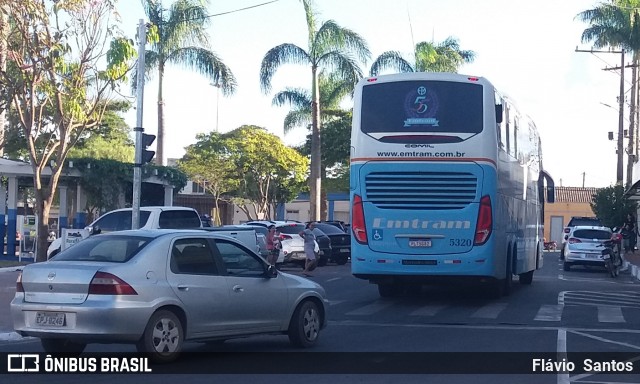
pixel 527 49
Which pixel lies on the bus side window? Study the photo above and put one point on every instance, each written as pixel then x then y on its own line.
pixel 507 128
pixel 516 127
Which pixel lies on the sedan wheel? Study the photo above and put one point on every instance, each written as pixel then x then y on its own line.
pixel 304 327
pixel 162 337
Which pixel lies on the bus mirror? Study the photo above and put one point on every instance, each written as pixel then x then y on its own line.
pixel 551 194
pixel 499 113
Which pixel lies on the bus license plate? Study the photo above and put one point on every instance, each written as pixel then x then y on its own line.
pixel 50 319
pixel 419 243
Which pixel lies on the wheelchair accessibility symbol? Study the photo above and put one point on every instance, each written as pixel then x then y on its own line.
pixel 377 234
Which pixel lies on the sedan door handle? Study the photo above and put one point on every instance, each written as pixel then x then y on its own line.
pixel 237 288
pixel 183 287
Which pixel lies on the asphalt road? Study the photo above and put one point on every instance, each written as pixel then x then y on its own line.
pixel 560 315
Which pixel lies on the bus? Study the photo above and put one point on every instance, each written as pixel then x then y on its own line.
pixel 446 184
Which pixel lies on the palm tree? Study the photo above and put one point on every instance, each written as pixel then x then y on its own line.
pixel 331 47
pixel 617 25
pixel 183 40
pixel 428 57
pixel 333 90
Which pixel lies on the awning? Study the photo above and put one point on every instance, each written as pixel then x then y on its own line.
pixel 633 193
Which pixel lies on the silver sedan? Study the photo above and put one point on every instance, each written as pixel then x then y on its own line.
pixel 159 288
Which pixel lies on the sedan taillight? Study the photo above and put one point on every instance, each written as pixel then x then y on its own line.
pixel 19 287
pixel 104 283
pixel 573 240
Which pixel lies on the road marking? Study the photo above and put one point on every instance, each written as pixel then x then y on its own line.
pixel 490 311
pixel 561 349
pixel 549 312
pixel 427 310
pixel 608 314
pixel 371 308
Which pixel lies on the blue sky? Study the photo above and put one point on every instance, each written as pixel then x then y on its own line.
pixel 526 48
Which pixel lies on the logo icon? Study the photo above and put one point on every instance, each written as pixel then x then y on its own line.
pixel 23 363
pixel 377 234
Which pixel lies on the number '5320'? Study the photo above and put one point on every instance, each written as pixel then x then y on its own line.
pixel 460 242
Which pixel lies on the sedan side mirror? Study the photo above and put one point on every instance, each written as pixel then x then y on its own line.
pixel 272 271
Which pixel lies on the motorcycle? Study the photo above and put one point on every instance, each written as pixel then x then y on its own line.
pixel 550 245
pixel 611 255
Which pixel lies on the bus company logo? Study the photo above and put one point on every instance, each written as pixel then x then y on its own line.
pixel 382 222
pixel 23 363
pixel 421 107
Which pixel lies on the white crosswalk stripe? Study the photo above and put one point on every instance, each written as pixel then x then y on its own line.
pixel 549 312
pixel 610 314
pixel 428 310
pixel 490 311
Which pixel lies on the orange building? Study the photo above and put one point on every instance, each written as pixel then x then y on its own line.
pixel 569 201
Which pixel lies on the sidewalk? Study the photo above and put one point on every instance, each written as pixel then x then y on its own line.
pixel 634 263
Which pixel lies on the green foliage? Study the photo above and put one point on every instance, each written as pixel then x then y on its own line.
pixel 121 52
pixel 105 179
pixel 610 205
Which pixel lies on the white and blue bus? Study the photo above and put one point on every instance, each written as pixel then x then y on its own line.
pixel 446 184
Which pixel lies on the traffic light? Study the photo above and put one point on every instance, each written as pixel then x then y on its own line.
pixel 147 155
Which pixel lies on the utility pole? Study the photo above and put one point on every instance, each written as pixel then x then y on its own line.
pixel 137 166
pixel 620 146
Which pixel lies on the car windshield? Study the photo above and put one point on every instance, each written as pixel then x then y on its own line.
pixel 595 234
pixel 329 229
pixel 291 229
pixel 114 249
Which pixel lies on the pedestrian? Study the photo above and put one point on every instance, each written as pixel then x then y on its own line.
pixel 309 249
pixel 629 233
pixel 272 245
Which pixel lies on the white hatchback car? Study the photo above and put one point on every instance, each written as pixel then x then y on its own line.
pixel 584 246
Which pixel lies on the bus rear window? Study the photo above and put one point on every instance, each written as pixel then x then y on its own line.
pixel 422 106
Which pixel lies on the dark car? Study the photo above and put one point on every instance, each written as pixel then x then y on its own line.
pixel 340 242
pixel 324 243
pixel 336 223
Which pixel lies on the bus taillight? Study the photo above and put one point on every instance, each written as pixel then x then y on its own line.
pixel 358 225
pixel 485 221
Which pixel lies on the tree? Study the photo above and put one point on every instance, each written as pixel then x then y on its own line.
pixel 66 59
pixel 270 171
pixel 427 57
pixel 617 25
pixel 611 207
pixel 182 40
pixel 332 47
pixel 110 140
pixel 208 163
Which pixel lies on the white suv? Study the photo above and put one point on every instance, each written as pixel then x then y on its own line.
pixel 156 217
pixel 584 245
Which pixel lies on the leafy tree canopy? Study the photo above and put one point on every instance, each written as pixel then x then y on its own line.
pixel 610 205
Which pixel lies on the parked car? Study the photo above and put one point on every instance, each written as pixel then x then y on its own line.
pixel 292 244
pixel 150 218
pixel 159 288
pixel 584 246
pixel 261 233
pixel 340 242
pixel 575 221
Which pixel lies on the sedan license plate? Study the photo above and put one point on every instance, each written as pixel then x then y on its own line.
pixel 344 250
pixel 50 319
pixel 415 243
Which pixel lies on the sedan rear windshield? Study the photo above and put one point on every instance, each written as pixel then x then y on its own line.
pixel 114 249
pixel 291 228
pixel 593 234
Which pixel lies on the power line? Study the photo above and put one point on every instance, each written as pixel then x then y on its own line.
pixel 228 12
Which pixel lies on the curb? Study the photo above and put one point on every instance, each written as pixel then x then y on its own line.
pixel 12 269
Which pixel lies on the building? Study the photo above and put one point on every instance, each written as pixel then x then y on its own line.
pixel 569 201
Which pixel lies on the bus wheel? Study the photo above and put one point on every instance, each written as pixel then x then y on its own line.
pixel 526 278
pixel 508 281
pixel 389 290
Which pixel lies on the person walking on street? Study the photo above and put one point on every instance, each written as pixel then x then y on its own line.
pixel 629 234
pixel 272 245
pixel 309 249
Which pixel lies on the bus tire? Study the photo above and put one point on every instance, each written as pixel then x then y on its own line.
pixel 526 278
pixel 508 278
